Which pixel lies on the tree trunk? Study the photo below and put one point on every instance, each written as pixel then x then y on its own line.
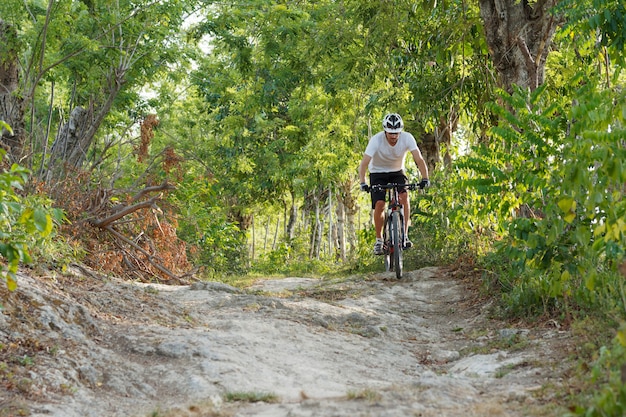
pixel 447 125
pixel 430 150
pixel 340 229
pixel 11 104
pixel 519 34
pixel 293 217
pixel 349 209
pixel 71 144
pixel 316 228
pixel 430 143
pixel 253 246
pixel 331 226
pixel 267 233
pixel 275 241
pixel 77 135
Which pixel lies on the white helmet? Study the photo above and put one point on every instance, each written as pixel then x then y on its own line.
pixel 393 123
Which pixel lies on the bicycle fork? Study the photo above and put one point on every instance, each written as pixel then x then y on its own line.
pixel 387 226
pixel 388 235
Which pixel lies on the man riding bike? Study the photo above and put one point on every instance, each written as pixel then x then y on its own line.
pixel 384 157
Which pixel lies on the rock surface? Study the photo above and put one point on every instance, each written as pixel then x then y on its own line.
pixel 85 345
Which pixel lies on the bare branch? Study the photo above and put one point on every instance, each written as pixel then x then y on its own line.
pixel 104 223
pixel 125 210
pixel 149 257
pixel 531 66
pixel 155 188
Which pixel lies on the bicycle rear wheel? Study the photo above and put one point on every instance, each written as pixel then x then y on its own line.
pixel 396 235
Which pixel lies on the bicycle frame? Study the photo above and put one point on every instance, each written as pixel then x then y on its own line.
pixel 393 226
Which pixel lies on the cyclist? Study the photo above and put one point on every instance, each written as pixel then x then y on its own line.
pixel 385 158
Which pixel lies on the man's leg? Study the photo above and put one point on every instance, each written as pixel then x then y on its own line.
pixel 378 205
pixel 379 218
pixel 404 200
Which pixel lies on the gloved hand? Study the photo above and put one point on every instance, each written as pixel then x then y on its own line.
pixel 365 187
pixel 424 183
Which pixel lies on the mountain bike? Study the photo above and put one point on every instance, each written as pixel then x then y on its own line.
pixel 393 226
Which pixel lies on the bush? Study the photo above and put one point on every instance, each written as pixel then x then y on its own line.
pixel 24 222
pixel 608 374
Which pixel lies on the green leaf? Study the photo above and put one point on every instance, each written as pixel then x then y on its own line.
pixel 43 222
pixel 599 230
pixel 621 337
pixel 11 281
pixel 567 204
pixel 590 281
pixel 569 218
pixel 4 125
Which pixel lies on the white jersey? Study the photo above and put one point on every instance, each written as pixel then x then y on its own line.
pixel 387 158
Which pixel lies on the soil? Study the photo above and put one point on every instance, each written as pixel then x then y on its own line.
pixel 81 344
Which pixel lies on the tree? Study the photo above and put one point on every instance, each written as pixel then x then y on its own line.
pixel 24 222
pixel 121 57
pixel 519 34
pixel 11 103
pixel 92 57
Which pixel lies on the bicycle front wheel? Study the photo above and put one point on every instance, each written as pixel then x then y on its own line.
pixel 388 249
pixel 396 235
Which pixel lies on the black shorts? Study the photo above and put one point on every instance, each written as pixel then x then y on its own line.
pixel 384 178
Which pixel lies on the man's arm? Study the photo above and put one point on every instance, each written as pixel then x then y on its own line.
pixel 419 161
pixel 363 167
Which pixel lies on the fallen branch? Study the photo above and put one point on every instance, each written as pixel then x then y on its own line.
pixel 120 211
pixel 104 223
pixel 164 186
pixel 149 257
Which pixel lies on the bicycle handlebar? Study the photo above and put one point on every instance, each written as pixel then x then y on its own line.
pixel 381 187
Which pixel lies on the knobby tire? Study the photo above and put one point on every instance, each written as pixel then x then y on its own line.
pixel 396 235
pixel 386 239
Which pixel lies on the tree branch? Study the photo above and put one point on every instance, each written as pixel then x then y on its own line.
pixel 121 210
pixel 149 257
pixel 530 63
pixel 104 223
pixel 162 187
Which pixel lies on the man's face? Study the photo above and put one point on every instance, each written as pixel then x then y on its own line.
pixel 392 138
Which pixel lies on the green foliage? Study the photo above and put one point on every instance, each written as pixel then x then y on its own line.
pixel 218 245
pixel 251 397
pixel 282 262
pixel 223 249
pixel 608 373
pixel 293 258
pixel 24 223
pixel 606 18
pixel 4 125
pixel 444 227
pixel 550 181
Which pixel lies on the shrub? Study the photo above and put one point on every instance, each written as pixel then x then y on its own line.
pixel 24 222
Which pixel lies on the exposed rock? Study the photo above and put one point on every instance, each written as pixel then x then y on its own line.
pixel 84 346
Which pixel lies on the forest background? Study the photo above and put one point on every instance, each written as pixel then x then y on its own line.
pixel 178 140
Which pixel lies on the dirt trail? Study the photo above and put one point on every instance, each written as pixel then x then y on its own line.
pixel 423 346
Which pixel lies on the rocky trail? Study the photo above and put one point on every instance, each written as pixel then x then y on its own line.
pixel 84 345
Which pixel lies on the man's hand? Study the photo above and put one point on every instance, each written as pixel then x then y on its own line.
pixel 424 183
pixel 365 187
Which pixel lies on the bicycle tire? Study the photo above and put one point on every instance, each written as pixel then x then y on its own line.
pixel 396 235
pixel 388 258
pixel 388 262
